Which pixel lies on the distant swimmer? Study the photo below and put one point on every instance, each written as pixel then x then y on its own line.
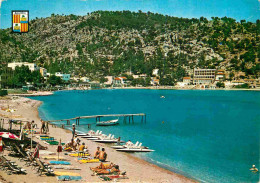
pixel 162 122
pixel 254 169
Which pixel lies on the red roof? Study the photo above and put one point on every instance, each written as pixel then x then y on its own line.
pixel 186 77
pixel 117 79
pixel 123 77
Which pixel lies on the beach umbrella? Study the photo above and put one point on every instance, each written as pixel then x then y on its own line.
pixel 9 135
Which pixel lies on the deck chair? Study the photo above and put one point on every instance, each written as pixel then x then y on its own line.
pixel 43 168
pixel 113 136
pixel 11 167
pixel 97 132
pixel 14 151
pixel 140 145
pixel 100 133
pixel 15 169
pixel 23 154
pixel 3 163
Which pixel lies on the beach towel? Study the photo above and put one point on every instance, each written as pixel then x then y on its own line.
pixel 89 161
pixel 54 143
pixel 53 157
pixel 60 163
pixel 66 173
pixel 69 178
pixel 78 155
pixel 47 138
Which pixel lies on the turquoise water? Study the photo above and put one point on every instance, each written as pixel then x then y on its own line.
pixel 211 136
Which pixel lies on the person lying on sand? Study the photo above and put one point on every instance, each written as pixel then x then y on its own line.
pixel 114 169
pixel 96 155
pixel 103 166
pixel 102 155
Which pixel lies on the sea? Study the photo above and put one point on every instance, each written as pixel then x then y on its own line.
pixel 206 135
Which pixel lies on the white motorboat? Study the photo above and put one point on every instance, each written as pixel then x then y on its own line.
pixel 125 145
pixel 108 123
pixel 135 148
pixel 95 135
pixel 108 139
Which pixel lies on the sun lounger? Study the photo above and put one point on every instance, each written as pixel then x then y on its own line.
pixel 79 154
pixel 66 173
pixel 66 167
pixel 60 163
pixel 89 161
pixel 53 158
pixel 44 168
pixel 69 178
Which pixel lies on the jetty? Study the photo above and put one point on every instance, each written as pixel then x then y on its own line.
pixel 98 117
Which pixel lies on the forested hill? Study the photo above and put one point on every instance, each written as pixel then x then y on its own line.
pixel 112 43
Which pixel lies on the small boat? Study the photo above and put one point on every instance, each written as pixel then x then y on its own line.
pixel 135 148
pixel 125 146
pixel 108 123
pixel 162 96
pixel 91 132
pixel 108 139
pixel 95 135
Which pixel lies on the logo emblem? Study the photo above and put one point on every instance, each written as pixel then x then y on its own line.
pixel 20 21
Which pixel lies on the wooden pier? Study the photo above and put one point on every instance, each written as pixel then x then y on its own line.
pixel 129 116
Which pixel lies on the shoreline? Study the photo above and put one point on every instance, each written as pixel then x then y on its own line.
pixel 134 166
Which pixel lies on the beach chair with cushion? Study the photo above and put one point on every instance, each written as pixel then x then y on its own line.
pixel 43 168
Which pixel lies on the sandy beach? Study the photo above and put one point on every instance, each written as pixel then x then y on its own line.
pixel 137 169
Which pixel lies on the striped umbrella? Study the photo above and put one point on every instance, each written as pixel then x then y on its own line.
pixel 9 135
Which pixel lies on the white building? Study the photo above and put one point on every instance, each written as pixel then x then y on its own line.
pixel 203 76
pixel 84 79
pixel 32 66
pixel 187 80
pixel 155 72
pixel 220 75
pixel 109 80
pixel 64 77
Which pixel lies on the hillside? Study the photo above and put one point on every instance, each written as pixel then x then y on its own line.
pixel 113 43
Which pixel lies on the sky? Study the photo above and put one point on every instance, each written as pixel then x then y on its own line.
pixel 237 9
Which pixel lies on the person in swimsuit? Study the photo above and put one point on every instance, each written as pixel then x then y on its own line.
pixel 96 155
pixel 102 155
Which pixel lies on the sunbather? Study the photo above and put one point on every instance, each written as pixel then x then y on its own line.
pixel 102 155
pixel 103 166
pixel 96 155
pixel 114 169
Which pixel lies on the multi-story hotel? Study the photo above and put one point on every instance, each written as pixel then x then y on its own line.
pixel 204 76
